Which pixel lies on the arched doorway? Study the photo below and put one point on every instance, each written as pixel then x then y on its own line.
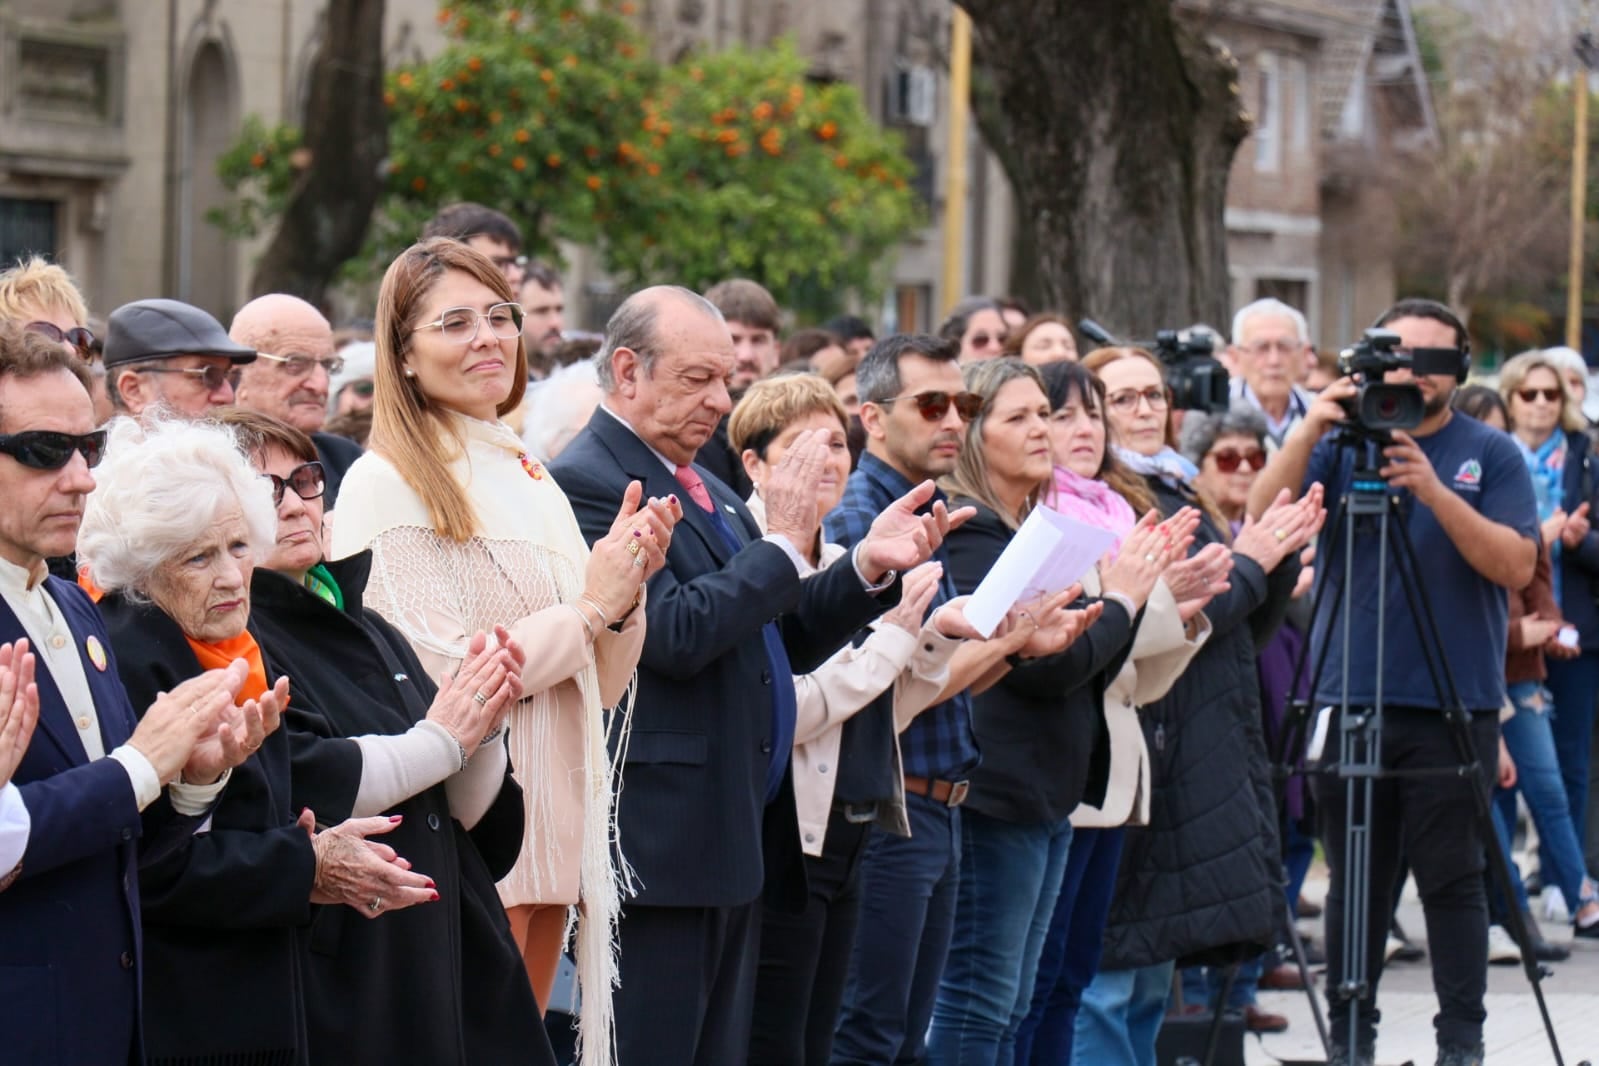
pixel 205 258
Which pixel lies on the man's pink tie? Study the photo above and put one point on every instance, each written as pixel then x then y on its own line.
pixel 696 488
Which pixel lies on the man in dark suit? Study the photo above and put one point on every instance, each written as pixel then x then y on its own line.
pixel 706 814
pixel 95 780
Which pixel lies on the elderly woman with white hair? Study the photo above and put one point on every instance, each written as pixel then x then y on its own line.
pixel 172 535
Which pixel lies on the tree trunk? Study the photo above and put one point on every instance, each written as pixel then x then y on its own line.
pixel 346 137
pixel 1120 122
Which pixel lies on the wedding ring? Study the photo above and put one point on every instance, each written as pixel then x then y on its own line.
pixel 376 905
pixel 1149 558
pixel 1280 535
pixel 638 561
pixel 479 698
pixel 632 547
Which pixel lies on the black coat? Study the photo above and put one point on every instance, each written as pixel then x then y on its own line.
pixel 223 915
pixel 1041 727
pixel 441 983
pixel 337 455
pixel 692 812
pixel 1202 881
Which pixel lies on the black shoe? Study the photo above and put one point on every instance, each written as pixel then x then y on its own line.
pixel 1542 950
pixel 1587 932
pixel 1460 1056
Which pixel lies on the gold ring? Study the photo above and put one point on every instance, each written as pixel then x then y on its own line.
pixel 632 547
pixel 1280 535
pixel 1149 558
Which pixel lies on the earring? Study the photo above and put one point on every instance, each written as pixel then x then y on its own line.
pixel 410 373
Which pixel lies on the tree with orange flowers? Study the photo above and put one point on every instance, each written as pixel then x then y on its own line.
pixel 553 112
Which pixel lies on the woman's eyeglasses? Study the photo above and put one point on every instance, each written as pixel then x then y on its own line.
pixel 40 449
pixel 306 480
pixel 460 324
pixel 1228 459
pixel 1127 399
pixel 935 405
pixel 80 338
pixel 214 376
pixel 1529 395
pixel 984 339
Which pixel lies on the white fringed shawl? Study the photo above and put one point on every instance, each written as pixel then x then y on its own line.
pixel 528 555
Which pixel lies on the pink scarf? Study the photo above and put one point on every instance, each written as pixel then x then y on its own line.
pixel 1093 503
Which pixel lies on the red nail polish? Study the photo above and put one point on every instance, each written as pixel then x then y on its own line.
pixel 433 898
pixel 431 884
pixel 397 818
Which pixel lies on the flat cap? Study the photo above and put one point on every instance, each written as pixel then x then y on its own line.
pixel 152 329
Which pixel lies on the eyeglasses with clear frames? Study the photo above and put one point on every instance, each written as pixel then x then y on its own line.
pixel 461 324
pixel 298 366
pixel 1127 399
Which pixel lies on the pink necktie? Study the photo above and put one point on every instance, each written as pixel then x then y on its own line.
pixel 696 488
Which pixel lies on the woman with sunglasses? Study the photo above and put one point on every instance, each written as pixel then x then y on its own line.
pixel 1201 881
pixel 1038 720
pixel 172 532
pixel 1547 425
pixel 467 531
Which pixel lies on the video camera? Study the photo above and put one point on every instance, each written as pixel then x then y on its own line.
pixel 1196 380
pixel 1381 406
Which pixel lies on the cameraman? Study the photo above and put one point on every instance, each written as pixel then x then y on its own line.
pixel 1468 503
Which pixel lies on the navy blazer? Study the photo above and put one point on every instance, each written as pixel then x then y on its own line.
pixel 69 927
pixel 692 812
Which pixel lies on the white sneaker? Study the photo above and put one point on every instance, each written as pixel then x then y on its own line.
pixel 1502 949
pixel 1391 945
pixel 1554 905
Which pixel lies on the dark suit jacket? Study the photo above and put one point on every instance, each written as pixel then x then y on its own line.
pixel 337 454
pixel 70 941
pixel 692 805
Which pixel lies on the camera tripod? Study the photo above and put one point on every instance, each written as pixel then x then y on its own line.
pixel 1371 509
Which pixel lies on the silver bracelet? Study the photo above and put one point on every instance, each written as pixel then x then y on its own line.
pixel 491 736
pixel 587 625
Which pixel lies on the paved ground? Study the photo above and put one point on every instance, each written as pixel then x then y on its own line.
pixel 1514 1035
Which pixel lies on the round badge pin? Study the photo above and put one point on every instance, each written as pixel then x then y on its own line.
pixel 96 653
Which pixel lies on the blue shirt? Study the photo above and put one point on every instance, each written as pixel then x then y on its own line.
pixel 939 742
pixel 1482 466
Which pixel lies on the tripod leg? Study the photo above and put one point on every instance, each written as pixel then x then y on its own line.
pixel 1298 945
pixel 1217 1012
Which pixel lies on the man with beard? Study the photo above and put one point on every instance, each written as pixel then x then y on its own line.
pixel 914 408
pixel 289 379
pixel 543 316
pixel 1467 499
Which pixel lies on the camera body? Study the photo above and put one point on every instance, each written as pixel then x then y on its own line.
pixel 1379 406
pixel 1196 380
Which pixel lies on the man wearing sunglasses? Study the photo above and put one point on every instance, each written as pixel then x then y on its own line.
pixel 101 785
pixel 294 367
pixel 170 356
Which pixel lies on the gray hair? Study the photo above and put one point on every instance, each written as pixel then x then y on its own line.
pixel 158 486
pixel 1202 429
pixel 1568 359
pixel 632 326
pixel 1270 306
pixel 559 406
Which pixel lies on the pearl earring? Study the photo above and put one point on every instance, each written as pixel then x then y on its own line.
pixel 410 373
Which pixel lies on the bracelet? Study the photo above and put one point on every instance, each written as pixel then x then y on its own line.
pixel 465 755
pixel 491 736
pixel 599 612
pixel 589 626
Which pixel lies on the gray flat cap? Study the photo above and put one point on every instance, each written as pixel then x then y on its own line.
pixel 151 329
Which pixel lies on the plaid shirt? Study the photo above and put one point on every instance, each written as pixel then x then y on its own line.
pixel 939 742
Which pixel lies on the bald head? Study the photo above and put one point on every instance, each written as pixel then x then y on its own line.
pixel 295 342
pixel 633 325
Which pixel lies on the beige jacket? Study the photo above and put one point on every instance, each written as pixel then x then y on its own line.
pixel 915 665
pixel 1161 651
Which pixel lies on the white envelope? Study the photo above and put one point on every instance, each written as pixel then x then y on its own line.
pixel 1048 554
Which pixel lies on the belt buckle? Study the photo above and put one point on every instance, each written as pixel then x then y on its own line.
pixel 957 793
pixel 860 813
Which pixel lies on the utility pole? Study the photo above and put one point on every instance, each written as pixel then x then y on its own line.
pixel 1587 50
pixel 960 81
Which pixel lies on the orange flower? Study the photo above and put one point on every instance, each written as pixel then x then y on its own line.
pixel 653 169
pixel 461 105
pixel 762 111
pixel 663 128
pixel 474 64
pixel 772 141
pixel 405 79
pixel 626 151
pixel 796 93
pixel 841 162
pixel 258 161
pixel 727 136
pixel 447 85
pixel 696 73
pixel 546 75
pixel 513 16
pixel 828 130
pixel 552 160
pixel 594 182
pixel 649 122
pixel 419 183
pixel 494 118
pixel 628 9
pixel 519 163
pixel 444 16
pixel 388 99
pixel 494 151
pixel 627 50
pixel 569 61
pixel 735 150
pixel 521 136
pixel 592 151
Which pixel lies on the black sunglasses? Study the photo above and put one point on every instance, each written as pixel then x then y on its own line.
pixel 81 339
pixel 935 405
pixel 306 480
pixel 41 449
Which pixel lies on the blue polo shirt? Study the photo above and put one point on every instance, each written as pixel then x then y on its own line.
pixel 1482 466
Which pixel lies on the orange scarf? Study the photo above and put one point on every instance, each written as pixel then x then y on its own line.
pixel 219 655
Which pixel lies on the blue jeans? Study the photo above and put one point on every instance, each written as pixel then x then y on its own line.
pixel 1574 683
pixel 1529 737
pixel 908 891
pixel 1203 985
pixel 1121 1015
pixel 1072 947
pixel 1010 880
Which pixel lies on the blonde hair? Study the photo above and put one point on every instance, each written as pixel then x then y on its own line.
pixel 773 404
pixel 410 430
pixel 970 480
pixel 1514 373
pixel 35 283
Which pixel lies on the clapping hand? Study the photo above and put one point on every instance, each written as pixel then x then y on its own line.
pixel 19 706
pixel 474 700
pixel 790 490
pixel 236 736
pixel 360 873
pixel 170 730
pixel 916 595
pixel 900 538
pixel 1144 554
pixel 1576 526
pixel 632 552
pixel 950 621
pixel 1283 528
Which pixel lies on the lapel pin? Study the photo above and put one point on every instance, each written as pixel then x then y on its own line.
pixel 96 652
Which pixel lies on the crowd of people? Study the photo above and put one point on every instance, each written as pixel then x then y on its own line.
pixel 350 680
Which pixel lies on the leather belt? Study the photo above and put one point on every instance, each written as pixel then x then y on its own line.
pixel 949 793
